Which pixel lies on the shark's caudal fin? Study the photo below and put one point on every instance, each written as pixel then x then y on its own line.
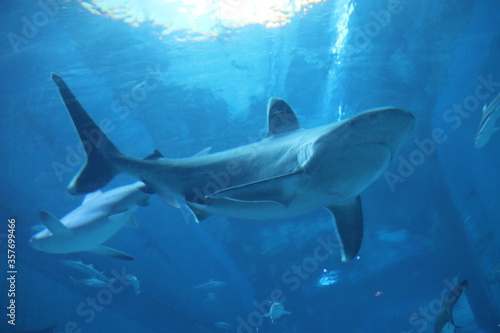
pixel 98 170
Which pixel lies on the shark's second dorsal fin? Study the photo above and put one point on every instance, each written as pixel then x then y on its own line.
pixel 53 224
pixel 280 117
pixel 154 156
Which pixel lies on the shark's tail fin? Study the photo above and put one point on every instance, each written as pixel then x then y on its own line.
pixel 98 170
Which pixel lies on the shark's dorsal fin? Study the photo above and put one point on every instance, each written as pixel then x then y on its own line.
pixel 92 195
pixel 154 156
pixel 280 117
pixel 53 224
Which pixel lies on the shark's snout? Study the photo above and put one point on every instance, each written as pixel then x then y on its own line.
pixel 388 126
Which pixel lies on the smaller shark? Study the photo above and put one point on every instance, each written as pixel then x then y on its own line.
pixel 276 311
pixel 446 313
pixel 92 282
pixel 224 326
pixel 87 269
pixel 487 127
pixel 211 284
pixel 134 281
pixel 100 216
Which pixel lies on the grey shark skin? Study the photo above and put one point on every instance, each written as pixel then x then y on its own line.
pixel 290 172
pixel 98 218
pixel 446 313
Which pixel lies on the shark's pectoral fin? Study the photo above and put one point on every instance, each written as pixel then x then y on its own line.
pixel 275 189
pixel 53 224
pixel 109 252
pixel 452 321
pixel 349 225
pixel 127 217
pixel 131 221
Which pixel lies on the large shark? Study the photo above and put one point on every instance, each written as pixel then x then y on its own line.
pixel 100 216
pixel 290 172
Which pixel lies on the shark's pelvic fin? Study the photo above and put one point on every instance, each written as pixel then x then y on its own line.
pixel 199 214
pixel 281 118
pixel 349 225
pixel 53 224
pixel 109 252
pixel 97 171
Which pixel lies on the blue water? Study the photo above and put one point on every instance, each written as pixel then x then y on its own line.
pixel 423 233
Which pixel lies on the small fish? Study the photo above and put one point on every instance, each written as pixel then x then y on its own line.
pixel 134 281
pixel 487 125
pixel 211 284
pixel 276 311
pixel 91 282
pixel 87 269
pixel 223 325
pixel 209 298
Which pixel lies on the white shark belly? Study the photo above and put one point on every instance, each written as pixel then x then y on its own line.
pixel 85 237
